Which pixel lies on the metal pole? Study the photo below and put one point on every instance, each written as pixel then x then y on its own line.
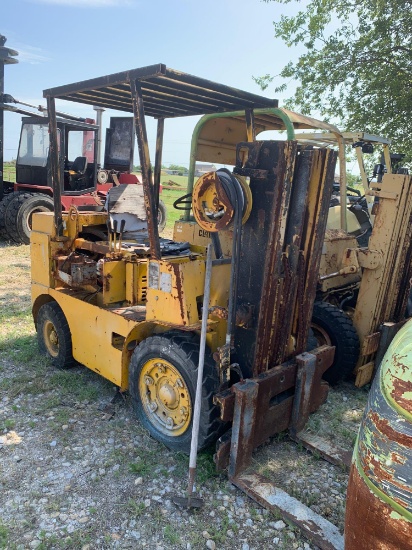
pixel 142 143
pixel 99 114
pixel 199 384
pixel 7 56
pixel 158 159
pixel 55 167
pixel 1 131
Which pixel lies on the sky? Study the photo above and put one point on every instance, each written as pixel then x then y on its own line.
pixel 65 41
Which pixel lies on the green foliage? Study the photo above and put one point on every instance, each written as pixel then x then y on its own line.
pixel 177 168
pixel 4 535
pixel 357 65
pixel 171 535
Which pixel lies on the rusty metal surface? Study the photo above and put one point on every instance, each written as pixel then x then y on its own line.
pixel 281 248
pixel 271 412
pixel 266 196
pixel 271 338
pixel 166 93
pixel 211 205
pixel 387 333
pixel 319 194
pixel 147 178
pixel 244 420
pixel 379 507
pixel 396 372
pixel 306 368
pixel 385 449
pixel 316 528
pixel 370 522
pixel 331 453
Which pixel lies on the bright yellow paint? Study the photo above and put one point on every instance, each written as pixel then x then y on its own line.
pixel 165 397
pixel 174 290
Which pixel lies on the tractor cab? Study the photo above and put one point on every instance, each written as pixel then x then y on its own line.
pixel 76 155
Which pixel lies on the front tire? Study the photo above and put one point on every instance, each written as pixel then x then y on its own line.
pixel 54 336
pixel 330 325
pixel 162 384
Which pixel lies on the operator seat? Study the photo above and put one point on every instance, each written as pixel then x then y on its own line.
pixel 77 174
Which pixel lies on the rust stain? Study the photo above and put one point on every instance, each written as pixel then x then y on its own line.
pixel 372 465
pixel 400 387
pixel 179 288
pixel 384 427
pixel 369 522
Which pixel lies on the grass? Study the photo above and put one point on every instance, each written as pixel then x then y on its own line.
pixel 4 535
pixel 135 509
pixel 171 535
pixel 141 468
pixel 9 169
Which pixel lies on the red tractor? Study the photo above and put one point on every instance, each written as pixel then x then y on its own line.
pixel 85 184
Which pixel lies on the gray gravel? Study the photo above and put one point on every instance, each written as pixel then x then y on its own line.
pixel 74 475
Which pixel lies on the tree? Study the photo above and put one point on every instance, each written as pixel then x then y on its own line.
pixel 177 167
pixel 357 65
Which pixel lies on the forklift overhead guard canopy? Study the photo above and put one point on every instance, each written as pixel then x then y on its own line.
pixel 149 91
pixel 166 93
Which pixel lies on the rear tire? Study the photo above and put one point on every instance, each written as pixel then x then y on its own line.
pixel 4 205
pixel 54 336
pixel 19 215
pixel 162 384
pixel 330 325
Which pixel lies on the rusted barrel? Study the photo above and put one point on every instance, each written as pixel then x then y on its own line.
pixel 379 500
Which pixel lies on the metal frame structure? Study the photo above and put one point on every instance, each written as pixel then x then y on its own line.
pixel 7 57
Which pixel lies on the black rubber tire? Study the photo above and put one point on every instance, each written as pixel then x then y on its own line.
pixel 4 205
pixel 11 215
pixel 408 312
pixel 331 321
pixel 161 216
pixel 182 351
pixel 52 314
pixel 20 212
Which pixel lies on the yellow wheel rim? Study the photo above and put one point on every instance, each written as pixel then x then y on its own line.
pixel 51 338
pixel 165 397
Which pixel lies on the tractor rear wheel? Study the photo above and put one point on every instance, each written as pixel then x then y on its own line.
pixel 54 336
pixel 4 205
pixel 19 215
pixel 162 384
pixel 330 325
pixel 161 216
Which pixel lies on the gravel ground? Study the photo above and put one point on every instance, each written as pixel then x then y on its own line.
pixel 78 471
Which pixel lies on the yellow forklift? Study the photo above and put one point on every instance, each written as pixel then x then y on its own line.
pixel 130 307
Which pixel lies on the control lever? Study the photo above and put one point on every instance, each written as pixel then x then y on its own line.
pixel 122 224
